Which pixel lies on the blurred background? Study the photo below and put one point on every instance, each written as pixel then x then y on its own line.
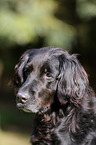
pixel 25 24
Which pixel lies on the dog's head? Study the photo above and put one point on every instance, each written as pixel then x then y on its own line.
pixel 46 73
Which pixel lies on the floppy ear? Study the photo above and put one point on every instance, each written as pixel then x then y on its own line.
pixel 72 80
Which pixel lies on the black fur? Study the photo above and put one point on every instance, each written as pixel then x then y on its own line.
pixel 55 86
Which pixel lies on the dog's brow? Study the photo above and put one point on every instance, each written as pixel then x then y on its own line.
pixel 28 67
pixel 44 67
pixel 30 64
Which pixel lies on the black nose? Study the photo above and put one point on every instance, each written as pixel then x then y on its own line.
pixel 21 99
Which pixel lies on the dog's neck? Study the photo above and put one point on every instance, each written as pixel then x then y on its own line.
pixel 70 118
pixel 57 112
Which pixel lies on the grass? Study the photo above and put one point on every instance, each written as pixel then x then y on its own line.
pixel 18 125
pixel 12 138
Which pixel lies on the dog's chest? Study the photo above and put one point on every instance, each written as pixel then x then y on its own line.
pixel 62 133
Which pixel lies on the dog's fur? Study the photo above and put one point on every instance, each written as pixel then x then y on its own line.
pixel 54 85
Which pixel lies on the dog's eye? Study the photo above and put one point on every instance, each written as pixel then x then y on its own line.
pixel 25 74
pixel 27 71
pixel 47 74
pixel 46 71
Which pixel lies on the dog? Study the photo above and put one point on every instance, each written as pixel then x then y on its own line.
pixel 53 84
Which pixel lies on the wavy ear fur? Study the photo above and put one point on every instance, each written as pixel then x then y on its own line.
pixel 72 80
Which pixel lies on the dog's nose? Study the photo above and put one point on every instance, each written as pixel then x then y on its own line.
pixel 21 98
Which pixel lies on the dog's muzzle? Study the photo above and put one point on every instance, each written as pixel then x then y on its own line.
pixel 21 100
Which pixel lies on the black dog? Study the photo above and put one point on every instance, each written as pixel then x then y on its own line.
pixel 54 85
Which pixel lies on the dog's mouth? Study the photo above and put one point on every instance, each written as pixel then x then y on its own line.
pixel 21 102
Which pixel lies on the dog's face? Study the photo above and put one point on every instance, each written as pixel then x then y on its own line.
pixel 45 73
pixel 35 80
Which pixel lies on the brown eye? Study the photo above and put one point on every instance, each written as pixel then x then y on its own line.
pixel 46 71
pixel 47 74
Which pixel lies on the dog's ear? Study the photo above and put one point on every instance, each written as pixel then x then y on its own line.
pixel 72 80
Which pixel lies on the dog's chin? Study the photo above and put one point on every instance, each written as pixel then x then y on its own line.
pixel 20 105
pixel 33 108
pixel 30 108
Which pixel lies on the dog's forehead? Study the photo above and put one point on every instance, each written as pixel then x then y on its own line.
pixel 38 58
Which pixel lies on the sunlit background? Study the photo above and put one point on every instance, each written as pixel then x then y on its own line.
pixel 25 24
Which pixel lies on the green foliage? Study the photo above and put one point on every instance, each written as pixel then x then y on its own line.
pixel 86 8
pixel 23 21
